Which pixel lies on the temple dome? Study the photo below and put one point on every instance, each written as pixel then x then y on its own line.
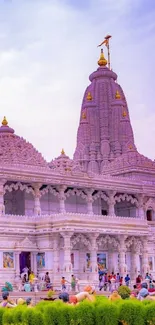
pixel 15 150
pixel 63 163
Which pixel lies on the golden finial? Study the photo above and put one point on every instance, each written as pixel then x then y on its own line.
pixel 4 122
pixel 124 114
pixel 89 96
pixel 117 95
pixel 84 116
pixel 62 152
pixel 102 61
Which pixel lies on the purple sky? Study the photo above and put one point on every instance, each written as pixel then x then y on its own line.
pixel 49 48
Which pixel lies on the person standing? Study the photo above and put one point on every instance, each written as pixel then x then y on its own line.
pixel 127 280
pixel 73 283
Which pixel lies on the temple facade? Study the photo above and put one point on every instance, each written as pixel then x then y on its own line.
pixel 78 216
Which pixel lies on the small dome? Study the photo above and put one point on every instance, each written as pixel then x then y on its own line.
pixel 15 150
pixel 62 163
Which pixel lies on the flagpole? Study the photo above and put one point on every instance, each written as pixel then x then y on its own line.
pixel 108 48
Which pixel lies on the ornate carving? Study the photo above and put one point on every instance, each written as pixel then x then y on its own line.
pixel 77 192
pixel 26 243
pixel 126 197
pixel 150 204
pixel 102 195
pixel 80 238
pixel 49 189
pixel 18 185
pixel 104 240
pixel 15 150
pixel 135 242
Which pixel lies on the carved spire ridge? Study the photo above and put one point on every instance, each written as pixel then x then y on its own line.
pixel 89 96
pixel 102 61
pixel 117 95
pixel 4 122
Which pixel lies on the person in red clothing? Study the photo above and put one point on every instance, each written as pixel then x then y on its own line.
pixel 121 281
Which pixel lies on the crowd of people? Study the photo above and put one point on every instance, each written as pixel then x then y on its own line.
pixel 143 288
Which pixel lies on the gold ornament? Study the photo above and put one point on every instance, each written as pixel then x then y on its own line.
pixel 84 116
pixel 62 152
pixel 102 61
pixel 4 122
pixel 117 95
pixel 89 96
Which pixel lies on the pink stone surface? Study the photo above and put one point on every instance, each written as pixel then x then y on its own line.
pixel 16 150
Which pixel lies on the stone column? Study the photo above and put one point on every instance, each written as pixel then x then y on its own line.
pixel 67 266
pixel 110 262
pixel 56 264
pixel 37 207
pixel 140 207
pixel 89 200
pixel 17 265
pixel 134 269
pixel 93 256
pixel 34 262
pixel 111 203
pixel 122 251
pixel 145 264
pixel 62 198
pixel 2 206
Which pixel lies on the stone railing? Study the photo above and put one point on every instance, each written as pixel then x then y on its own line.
pixel 68 216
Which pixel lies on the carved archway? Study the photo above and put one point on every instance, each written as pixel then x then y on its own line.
pixel 80 238
pixel 105 241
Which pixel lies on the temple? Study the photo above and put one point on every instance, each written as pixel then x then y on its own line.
pixel 78 216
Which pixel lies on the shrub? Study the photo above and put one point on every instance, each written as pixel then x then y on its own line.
pixel 124 292
pixel 85 313
pixel 28 316
pixel 150 313
pixel 2 310
pixel 52 314
pixel 17 314
pixel 131 313
pixel 7 316
pixel 106 313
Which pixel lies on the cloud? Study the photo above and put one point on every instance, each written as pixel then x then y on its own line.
pixel 47 51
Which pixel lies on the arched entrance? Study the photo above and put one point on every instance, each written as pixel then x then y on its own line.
pixel 25 261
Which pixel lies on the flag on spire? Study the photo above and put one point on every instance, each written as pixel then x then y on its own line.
pixel 106 41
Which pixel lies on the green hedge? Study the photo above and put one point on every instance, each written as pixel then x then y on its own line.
pixel 101 312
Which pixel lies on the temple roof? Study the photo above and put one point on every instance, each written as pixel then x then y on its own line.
pixel 16 150
pixel 63 163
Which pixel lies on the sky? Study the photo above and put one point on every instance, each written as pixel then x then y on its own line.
pixel 48 49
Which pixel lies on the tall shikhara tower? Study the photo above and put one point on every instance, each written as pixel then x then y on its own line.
pixel 105 132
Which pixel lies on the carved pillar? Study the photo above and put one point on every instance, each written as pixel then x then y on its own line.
pixel 62 198
pixel 110 262
pixel 37 207
pixel 111 203
pixel 89 200
pixel 56 265
pixel 122 251
pixel 134 268
pixel 2 206
pixel 34 262
pixel 67 267
pixel 140 207
pixel 17 265
pixel 145 264
pixel 94 266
